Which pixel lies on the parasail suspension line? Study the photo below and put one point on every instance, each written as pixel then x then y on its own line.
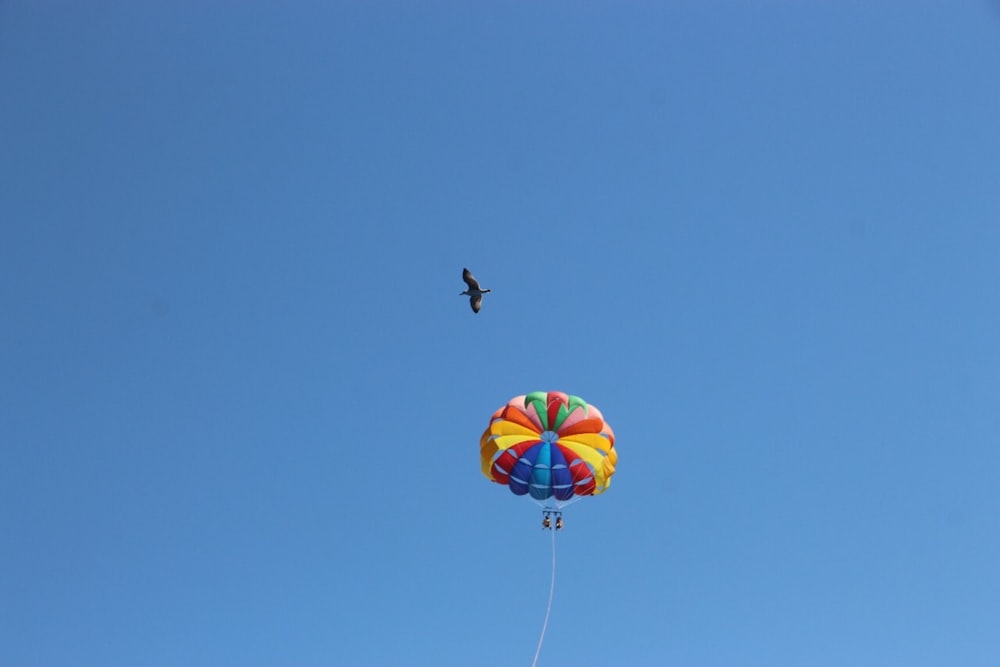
pixel 552 590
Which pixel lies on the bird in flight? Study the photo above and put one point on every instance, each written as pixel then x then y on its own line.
pixel 474 293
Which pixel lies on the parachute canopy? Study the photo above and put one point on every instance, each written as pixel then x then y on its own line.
pixel 551 446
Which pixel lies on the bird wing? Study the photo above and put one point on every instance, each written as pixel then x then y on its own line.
pixel 470 279
pixel 476 302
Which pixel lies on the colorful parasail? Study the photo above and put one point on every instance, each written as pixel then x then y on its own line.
pixel 550 446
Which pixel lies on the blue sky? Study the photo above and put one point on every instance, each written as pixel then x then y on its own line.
pixel 241 398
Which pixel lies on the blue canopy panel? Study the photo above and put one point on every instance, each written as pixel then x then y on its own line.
pixel 543 472
pixel 562 478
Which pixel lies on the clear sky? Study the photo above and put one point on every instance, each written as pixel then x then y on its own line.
pixel 241 399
